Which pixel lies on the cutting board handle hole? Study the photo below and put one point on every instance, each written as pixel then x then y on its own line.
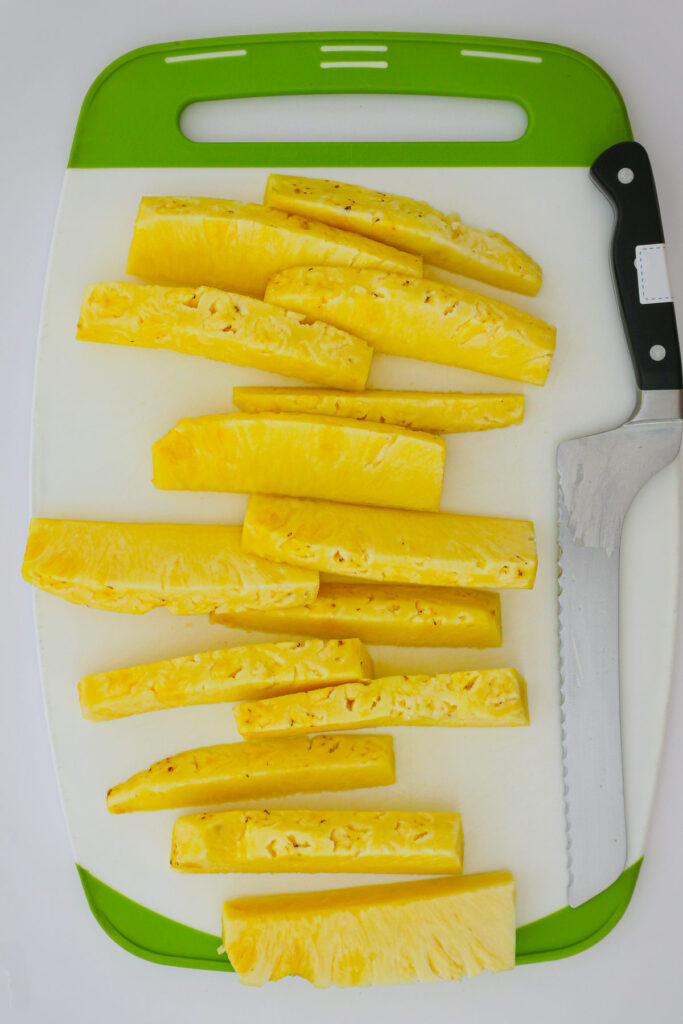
pixel 365 117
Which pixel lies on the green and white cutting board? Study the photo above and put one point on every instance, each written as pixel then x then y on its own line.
pixel 98 409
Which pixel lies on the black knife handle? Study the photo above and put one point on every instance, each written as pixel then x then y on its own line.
pixel 624 173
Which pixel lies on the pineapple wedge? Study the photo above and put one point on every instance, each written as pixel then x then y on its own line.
pixel 310 456
pixel 427 930
pixel 441 239
pixel 236 673
pixel 242 771
pixel 132 567
pixel 383 613
pixel 238 246
pixel 388 842
pixel 223 326
pixel 423 319
pixel 392 545
pixel 443 412
pixel 484 697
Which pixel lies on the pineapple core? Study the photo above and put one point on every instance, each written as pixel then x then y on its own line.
pixel 421 318
pixel 188 568
pixel 273 453
pixel 442 239
pixel 385 613
pixel 443 412
pixel 242 771
pixel 238 246
pixel 225 326
pixel 485 697
pixel 286 839
pixel 236 673
pixel 392 545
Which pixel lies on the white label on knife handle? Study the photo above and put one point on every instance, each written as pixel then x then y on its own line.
pixel 653 276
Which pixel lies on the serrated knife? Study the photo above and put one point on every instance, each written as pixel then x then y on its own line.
pixel 599 476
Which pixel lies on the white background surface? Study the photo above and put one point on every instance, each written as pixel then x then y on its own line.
pixel 55 963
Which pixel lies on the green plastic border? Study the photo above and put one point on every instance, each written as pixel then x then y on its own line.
pixel 130 116
pixel 157 938
pixel 573 929
pixel 150 935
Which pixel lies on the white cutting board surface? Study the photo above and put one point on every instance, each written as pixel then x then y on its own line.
pixel 98 409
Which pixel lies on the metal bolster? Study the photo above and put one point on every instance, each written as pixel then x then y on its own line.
pixel 654 406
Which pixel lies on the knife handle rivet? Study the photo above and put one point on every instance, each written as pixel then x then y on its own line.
pixel 625 175
pixel 657 352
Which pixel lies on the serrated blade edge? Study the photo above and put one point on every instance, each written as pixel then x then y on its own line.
pixel 588 587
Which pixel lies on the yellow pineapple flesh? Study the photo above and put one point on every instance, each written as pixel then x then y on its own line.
pixel 284 839
pixel 273 453
pixel 479 697
pixel 443 412
pixel 441 239
pixel 427 930
pixel 235 673
pixel 392 545
pixel 243 771
pixel 385 613
pixel 238 246
pixel 422 319
pixel 224 326
pixel 132 567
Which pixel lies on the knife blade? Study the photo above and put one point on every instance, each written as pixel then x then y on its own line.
pixel 598 478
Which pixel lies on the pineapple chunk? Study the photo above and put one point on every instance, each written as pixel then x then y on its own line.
pixel 224 326
pixel 443 412
pixel 238 246
pixel 242 771
pixel 133 567
pixel 383 613
pixel 389 842
pixel 422 319
pixel 392 545
pixel 237 673
pixel 425 930
pixel 366 463
pixel 485 697
pixel 442 239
